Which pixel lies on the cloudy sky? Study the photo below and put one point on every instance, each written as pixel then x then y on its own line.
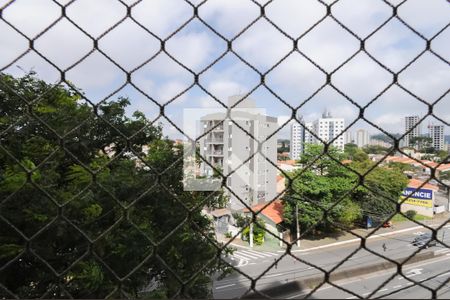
pixel 133 44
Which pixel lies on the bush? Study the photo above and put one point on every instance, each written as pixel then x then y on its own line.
pixel 411 214
pixel 258 232
pixel 228 235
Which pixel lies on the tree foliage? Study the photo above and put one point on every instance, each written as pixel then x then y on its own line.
pixel 327 193
pixel 85 209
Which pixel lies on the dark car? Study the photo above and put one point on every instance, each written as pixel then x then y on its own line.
pixel 422 240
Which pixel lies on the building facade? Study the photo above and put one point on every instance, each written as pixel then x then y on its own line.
pixel 228 148
pixel 362 138
pixel 410 124
pixel 300 136
pixel 327 128
pixel 436 133
pixel 349 137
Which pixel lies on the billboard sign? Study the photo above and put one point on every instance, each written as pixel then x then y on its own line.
pixel 419 197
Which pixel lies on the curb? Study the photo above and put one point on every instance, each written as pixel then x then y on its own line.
pixel 345 242
pixel 358 240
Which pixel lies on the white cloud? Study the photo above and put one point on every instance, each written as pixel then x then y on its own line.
pixel 31 16
pixel 229 17
pixel 262 45
pixel 194 49
pixel 162 17
pixel 93 17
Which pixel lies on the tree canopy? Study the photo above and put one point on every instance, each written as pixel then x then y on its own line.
pixel 87 212
pixel 328 186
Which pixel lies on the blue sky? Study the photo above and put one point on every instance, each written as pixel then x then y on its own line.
pixel 196 46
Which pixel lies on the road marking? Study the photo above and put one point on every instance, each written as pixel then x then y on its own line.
pixel 266 254
pixel 365 294
pixel 442 251
pixel 251 253
pixel 397 286
pixel 242 263
pixel 382 290
pixel 240 257
pixel 352 297
pixel 245 255
pixel 224 286
pixel 445 274
pixel 274 275
pixel 409 283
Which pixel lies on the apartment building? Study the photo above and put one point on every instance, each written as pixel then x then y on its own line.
pixel 300 135
pixel 349 137
pixel 436 133
pixel 327 128
pixel 410 122
pixel 362 138
pixel 228 147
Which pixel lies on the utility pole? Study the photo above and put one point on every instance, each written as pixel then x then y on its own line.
pixel 298 225
pixel 251 235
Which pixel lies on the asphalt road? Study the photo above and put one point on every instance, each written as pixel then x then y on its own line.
pixel 432 274
pixel 305 264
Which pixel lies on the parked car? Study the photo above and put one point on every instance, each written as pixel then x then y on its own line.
pixel 422 240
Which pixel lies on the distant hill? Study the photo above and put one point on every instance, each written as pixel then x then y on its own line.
pixel 385 138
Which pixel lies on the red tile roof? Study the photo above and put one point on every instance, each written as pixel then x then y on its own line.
pixel 274 211
pixel 287 162
pixel 415 183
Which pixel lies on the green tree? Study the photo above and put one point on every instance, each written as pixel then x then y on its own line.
pixel 422 143
pixel 350 150
pixel 444 156
pixel 259 232
pixel 319 188
pixel 375 149
pixel 105 216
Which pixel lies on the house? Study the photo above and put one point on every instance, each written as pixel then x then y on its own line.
pixel 272 215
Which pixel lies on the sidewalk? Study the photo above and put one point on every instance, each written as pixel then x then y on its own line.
pixel 271 244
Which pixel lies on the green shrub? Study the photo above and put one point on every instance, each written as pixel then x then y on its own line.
pixel 411 214
pixel 228 235
pixel 258 232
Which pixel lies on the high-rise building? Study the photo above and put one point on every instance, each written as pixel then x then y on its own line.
pixel 300 136
pixel 410 124
pixel 349 137
pixel 228 148
pixel 327 128
pixel 436 133
pixel 362 138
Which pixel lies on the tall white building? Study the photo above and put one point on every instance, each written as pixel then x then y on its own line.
pixel 362 138
pixel 436 133
pixel 349 137
pixel 327 128
pixel 410 122
pixel 299 137
pixel 227 147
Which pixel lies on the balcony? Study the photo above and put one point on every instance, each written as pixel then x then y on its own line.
pixel 215 153
pixel 214 141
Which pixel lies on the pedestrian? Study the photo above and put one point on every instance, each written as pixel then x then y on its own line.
pixel 384 247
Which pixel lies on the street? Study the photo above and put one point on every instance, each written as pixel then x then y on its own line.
pixel 263 267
